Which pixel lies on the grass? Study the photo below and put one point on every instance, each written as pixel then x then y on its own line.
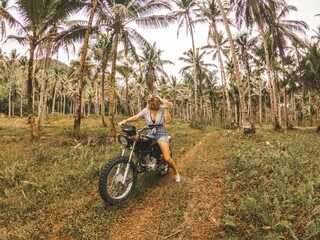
pixel 273 186
pixel 49 187
pixel 262 186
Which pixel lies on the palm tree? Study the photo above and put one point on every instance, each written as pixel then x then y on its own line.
pixel 33 29
pixel 281 32
pixel 12 61
pixel 102 52
pixel 211 12
pixel 116 15
pixel 252 11
pixel 317 32
pixel 174 90
pixel 77 116
pixel 185 18
pixel 248 126
pixel 151 64
pixel 4 7
pixel 126 70
pixel 310 66
pixel 245 43
pixel 201 69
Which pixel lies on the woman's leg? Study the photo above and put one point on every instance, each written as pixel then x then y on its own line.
pixel 164 146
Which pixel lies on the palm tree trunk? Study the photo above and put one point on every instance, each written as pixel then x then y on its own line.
pixel 251 115
pixel 195 71
pixel 31 119
pixel 54 95
pixel 248 126
pixel 103 99
pixel 223 75
pixel 260 102
pixel 127 97
pixel 9 99
pixel 276 125
pixel 21 105
pixel 285 102
pixel 174 104
pixel 77 117
pixel 44 85
pixel 112 85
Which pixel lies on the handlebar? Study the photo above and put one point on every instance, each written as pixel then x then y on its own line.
pixel 149 127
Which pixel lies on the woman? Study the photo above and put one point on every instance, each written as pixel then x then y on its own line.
pixel 158 114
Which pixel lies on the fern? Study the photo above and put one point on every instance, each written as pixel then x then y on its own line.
pixel 287 225
pixel 314 225
pixel 273 236
pixel 229 221
pixel 314 229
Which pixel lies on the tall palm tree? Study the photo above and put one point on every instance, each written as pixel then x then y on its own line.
pixel 151 65
pixel 126 70
pixel 12 61
pixel 37 17
pixel 174 90
pixel 102 50
pixel 77 116
pixel 247 126
pixel 184 16
pixel 310 66
pixel 281 32
pixel 259 12
pixel 211 13
pixel 116 15
pixel 245 43
pixel 201 69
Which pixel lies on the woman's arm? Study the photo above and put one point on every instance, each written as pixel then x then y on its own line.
pixel 134 118
pixel 167 116
pixel 130 119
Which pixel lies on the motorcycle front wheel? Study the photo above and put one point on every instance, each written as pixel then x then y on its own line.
pixel 113 188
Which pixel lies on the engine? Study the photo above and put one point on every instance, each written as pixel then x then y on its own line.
pixel 148 161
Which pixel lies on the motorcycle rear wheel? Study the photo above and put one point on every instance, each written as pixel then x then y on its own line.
pixel 111 187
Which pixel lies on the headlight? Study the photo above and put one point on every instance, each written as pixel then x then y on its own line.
pixel 123 140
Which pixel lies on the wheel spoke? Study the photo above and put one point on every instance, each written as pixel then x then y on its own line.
pixel 114 186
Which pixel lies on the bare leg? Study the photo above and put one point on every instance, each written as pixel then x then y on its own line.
pixel 166 155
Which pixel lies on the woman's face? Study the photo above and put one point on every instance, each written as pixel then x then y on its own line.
pixel 152 104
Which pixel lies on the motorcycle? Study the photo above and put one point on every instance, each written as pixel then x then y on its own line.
pixel 140 154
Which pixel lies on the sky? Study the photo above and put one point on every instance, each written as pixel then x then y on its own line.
pixel 173 46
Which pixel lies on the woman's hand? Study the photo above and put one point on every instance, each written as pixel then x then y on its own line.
pixel 165 103
pixel 122 123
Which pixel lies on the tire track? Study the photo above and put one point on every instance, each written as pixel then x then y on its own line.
pixel 137 225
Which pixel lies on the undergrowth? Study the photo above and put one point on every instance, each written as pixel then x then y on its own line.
pixel 273 186
pixel 268 190
pixel 48 188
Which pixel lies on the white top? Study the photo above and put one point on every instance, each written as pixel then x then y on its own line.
pixel 160 117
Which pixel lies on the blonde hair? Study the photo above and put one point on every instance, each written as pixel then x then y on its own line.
pixel 154 98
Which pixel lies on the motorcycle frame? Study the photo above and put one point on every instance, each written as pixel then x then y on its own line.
pixel 128 164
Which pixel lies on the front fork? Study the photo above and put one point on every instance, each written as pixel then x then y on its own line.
pixel 128 164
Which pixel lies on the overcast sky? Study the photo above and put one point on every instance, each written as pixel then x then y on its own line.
pixel 174 47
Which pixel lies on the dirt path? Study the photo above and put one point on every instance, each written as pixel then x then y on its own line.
pixel 190 209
